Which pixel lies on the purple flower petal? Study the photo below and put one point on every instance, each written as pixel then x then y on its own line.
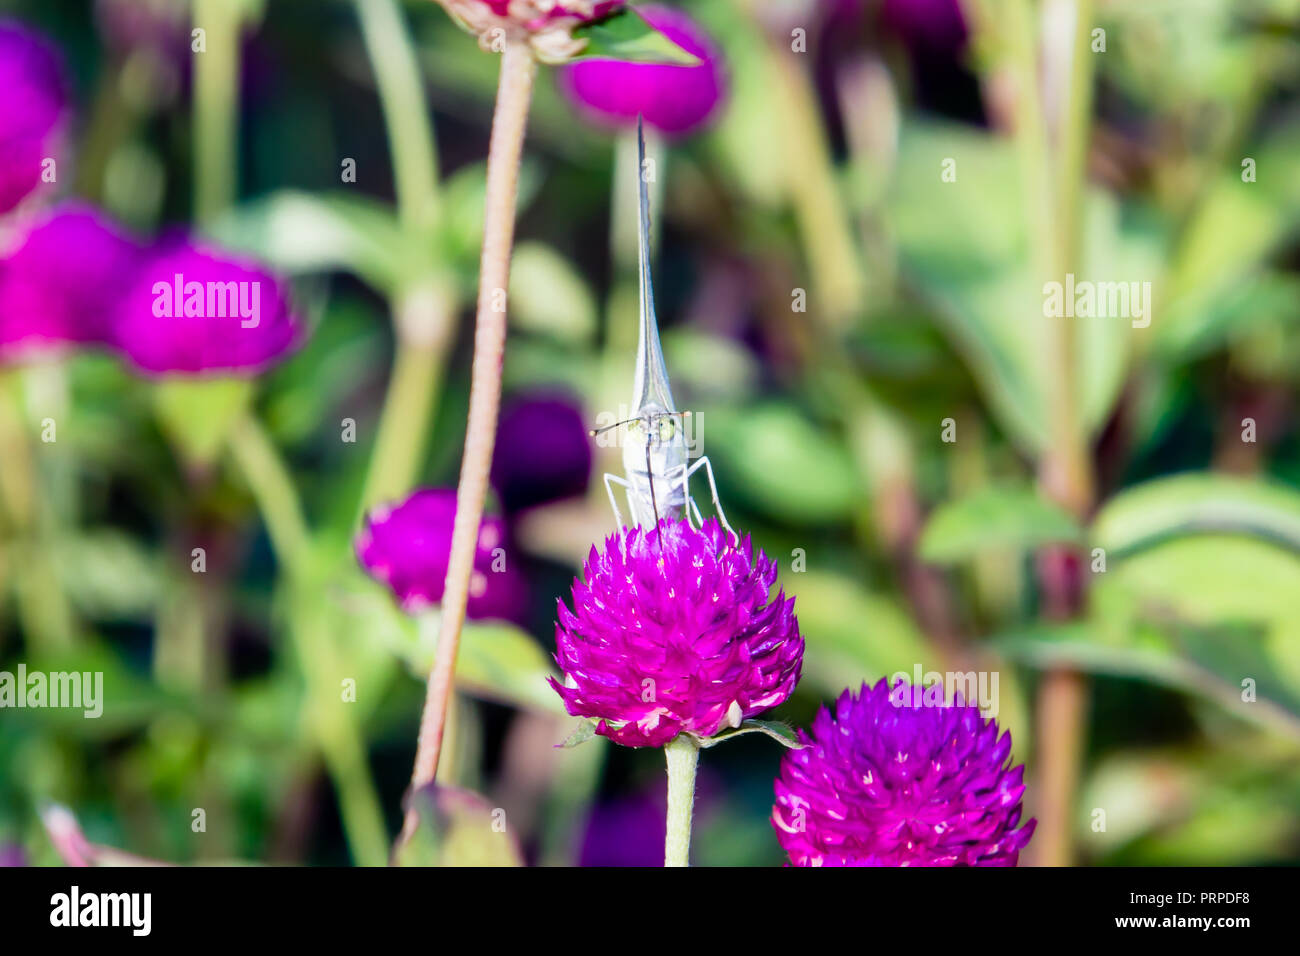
pixel 192 310
pixel 542 452
pixel 31 77
pixel 889 781
pixel 63 281
pixel 672 631
pixel 407 546
pixel 674 99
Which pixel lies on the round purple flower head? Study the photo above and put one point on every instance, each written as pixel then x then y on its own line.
pixel 62 282
pixel 673 632
pixel 31 77
pixel 542 452
pixel 193 311
pixel 888 780
pixel 408 546
pixel 937 26
pixel 674 99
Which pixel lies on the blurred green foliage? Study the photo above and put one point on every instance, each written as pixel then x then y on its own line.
pixel 825 431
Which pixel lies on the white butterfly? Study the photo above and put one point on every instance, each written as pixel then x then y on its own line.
pixel 655 457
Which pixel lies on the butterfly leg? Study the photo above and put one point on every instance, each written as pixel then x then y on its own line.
pixel 678 478
pixel 695 510
pixel 703 462
pixel 610 481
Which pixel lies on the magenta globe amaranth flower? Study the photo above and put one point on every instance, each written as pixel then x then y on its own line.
pixel 542 452
pixel 673 631
pixel 190 310
pixel 546 24
pixel 933 25
pixel 407 546
pixel 887 780
pixel 31 77
pixel 674 99
pixel 62 281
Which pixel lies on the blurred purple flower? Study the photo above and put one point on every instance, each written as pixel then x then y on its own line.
pixel 31 76
pixel 407 547
pixel 890 781
pixel 674 99
pixel 62 282
pixel 673 632
pixel 542 452
pixel 936 26
pixel 191 310
pixel 628 831
pixel 159 25
pixel 11 854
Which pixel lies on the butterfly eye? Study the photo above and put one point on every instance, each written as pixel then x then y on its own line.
pixel 667 429
pixel 636 428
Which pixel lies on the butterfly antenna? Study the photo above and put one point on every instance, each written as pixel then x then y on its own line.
pixel 654 504
pixel 593 432
pixel 651 384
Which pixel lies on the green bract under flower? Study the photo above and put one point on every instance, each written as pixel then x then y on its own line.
pixel 547 25
pixel 559 31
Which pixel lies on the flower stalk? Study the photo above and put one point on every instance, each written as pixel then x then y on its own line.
pixel 215 114
pixel 43 607
pixel 510 117
pixel 1053 140
pixel 423 313
pixel 338 737
pixel 683 754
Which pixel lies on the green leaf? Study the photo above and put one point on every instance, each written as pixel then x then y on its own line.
pixel 851 634
pixel 500 661
pixel 1151 656
pixel 584 731
pixel 460 225
pixel 458 828
pixel 548 296
pixel 779 731
pixel 1211 615
pixel 964 245
pixel 126 698
pixel 996 518
pixel 782 462
pixel 625 35
pixel 495 659
pixel 197 414
pixel 297 232
pixel 1222 806
pixel 1195 503
pixel 108 574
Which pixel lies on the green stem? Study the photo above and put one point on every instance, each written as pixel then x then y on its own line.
pixel 216 89
pixel 406 118
pixel 510 117
pixel 277 499
pixel 682 754
pixel 345 757
pixel 1054 199
pixel 403 424
pixel 43 608
pixel 423 324
pixel 314 642
pixel 422 314
pixel 824 227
